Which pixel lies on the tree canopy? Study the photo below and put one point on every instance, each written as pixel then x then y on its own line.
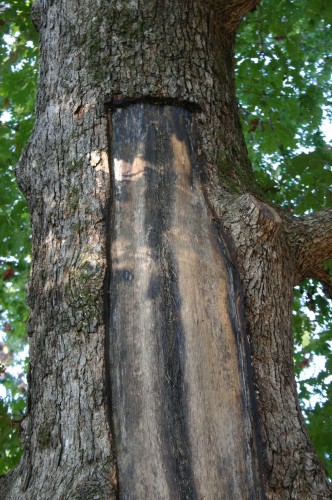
pixel 283 73
pixel 18 55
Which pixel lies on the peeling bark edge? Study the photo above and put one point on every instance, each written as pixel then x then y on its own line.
pixel 228 250
pixel 122 101
pixel 109 217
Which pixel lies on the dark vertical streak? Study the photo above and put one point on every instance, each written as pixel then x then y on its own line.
pixel 236 314
pixel 174 422
pixel 159 181
pixel 109 223
pixel 160 188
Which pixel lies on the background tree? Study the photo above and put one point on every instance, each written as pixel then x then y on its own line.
pixel 319 159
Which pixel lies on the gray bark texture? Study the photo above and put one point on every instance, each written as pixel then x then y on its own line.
pixel 162 281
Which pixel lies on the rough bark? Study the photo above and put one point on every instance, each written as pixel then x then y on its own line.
pixel 65 177
pixel 312 236
pixel 270 268
pixel 98 279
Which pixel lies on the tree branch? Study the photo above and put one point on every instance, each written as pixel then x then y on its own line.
pixel 232 11
pixel 313 240
pixel 322 275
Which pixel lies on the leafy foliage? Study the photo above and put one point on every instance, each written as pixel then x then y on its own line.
pixel 313 346
pixel 283 79
pixel 18 75
pixel 11 412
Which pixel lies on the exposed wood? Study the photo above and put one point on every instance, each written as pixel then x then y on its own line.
pixel 179 369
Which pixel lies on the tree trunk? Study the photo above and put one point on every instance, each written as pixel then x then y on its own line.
pixel 162 282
